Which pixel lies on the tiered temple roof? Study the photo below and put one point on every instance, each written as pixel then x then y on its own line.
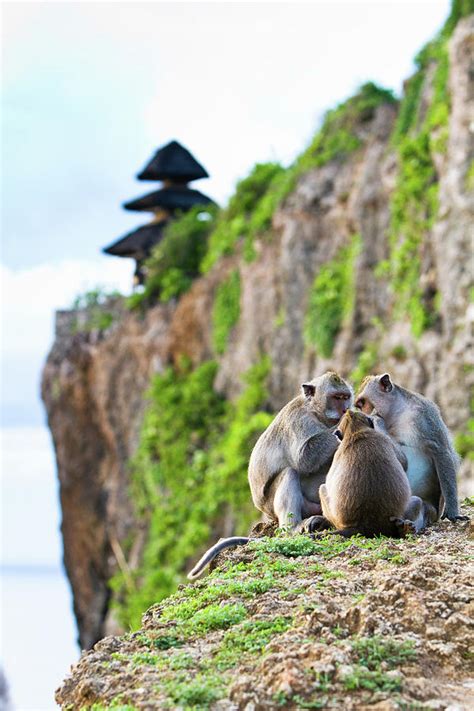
pixel 175 166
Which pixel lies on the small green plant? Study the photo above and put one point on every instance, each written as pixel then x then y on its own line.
pixel 226 311
pixel 399 353
pixel 174 261
pixel 95 305
pixel 248 638
pixel 197 693
pixel 213 617
pixel 464 441
pixel 366 362
pixel 245 215
pixel 331 299
pixel 469 178
pixel 374 656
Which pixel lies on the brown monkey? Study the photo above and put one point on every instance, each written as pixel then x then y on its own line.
pixel 415 423
pixel 366 489
pixel 292 457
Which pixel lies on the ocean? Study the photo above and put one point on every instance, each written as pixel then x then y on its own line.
pixel 37 627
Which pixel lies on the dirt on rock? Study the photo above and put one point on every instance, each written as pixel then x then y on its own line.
pixel 296 623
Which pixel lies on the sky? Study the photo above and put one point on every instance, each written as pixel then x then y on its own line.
pixel 90 90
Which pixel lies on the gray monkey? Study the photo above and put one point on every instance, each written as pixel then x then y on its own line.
pixel 415 423
pixel 291 459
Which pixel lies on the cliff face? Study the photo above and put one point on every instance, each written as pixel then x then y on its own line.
pixel 94 381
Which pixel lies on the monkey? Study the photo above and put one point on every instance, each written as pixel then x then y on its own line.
pixel 291 458
pixel 415 423
pixel 366 489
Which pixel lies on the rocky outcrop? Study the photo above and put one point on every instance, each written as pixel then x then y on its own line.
pixel 301 623
pixel 94 381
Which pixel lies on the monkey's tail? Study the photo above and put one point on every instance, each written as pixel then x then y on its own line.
pixel 215 550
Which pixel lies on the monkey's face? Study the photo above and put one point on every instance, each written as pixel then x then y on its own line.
pixel 377 394
pixel 337 404
pixel 354 421
pixel 330 397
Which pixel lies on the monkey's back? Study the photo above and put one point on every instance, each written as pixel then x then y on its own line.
pixel 367 484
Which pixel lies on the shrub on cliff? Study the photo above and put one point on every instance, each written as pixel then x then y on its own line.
pixel 174 262
pixel 190 470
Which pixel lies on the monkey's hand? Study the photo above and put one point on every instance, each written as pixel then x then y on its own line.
pixel 313 524
pixel 379 423
pixel 404 527
pixel 454 517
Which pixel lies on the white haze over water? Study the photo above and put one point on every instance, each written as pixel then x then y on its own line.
pixel 38 632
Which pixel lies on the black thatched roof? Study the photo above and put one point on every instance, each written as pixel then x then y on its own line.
pixel 138 244
pixel 169 199
pixel 173 162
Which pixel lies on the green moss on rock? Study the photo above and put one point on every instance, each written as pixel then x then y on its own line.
pixel 331 299
pixel 225 311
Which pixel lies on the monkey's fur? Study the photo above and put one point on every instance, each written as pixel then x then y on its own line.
pixel 366 489
pixel 292 457
pixel 415 423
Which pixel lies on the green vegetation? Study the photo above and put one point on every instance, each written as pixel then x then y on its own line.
pixel 245 215
pixel 464 441
pixel 331 299
pixel 191 244
pixel 366 362
pixel 374 656
pixel 190 469
pixel 226 311
pixel 250 637
pixel 418 137
pixel 174 261
pixel 469 178
pixel 197 693
pixel 96 305
pixel 257 197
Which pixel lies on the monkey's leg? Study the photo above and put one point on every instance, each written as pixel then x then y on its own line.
pixel 317 522
pixel 288 500
pixel 421 513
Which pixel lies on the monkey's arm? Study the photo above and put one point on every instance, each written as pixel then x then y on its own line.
pixel 445 464
pixel 315 452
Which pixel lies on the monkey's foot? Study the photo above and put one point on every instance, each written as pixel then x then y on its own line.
pixel 453 519
pixel 313 524
pixel 404 527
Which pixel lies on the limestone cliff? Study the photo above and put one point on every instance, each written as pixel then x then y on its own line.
pixel 95 379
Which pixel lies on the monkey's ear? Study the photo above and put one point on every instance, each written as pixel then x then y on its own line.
pixel 370 422
pixel 308 389
pixel 386 383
